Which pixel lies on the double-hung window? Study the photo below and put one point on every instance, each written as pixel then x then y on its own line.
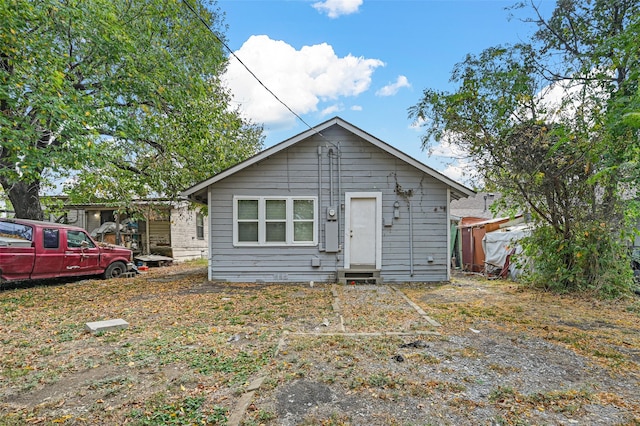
pixel 274 221
pixel 199 226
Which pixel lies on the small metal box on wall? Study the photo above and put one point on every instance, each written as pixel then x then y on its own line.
pixel 331 230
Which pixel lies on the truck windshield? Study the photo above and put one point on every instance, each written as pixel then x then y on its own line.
pixel 16 230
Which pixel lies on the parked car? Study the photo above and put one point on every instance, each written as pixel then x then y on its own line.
pixel 35 250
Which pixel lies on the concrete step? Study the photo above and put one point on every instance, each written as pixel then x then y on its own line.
pixel 99 326
pixel 359 276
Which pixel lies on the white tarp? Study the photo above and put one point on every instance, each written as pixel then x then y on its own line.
pixel 106 228
pixel 501 243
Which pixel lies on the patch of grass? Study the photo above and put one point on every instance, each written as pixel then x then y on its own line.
pixel 565 401
pixel 179 350
pixel 10 304
pixel 203 262
pixel 41 377
pixel 380 380
pixel 239 367
pixel 46 351
pixel 465 403
pixel 236 321
pixel 503 369
pixel 24 344
pixel 609 354
pixel 12 372
pixel 188 411
pixel 578 340
pixel 634 307
pixel 335 419
pixel 203 360
pixel 111 384
pixel 466 352
pixel 67 332
pixel 450 387
pixel 259 417
pixel 501 393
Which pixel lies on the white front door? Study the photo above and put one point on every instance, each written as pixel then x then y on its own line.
pixel 363 230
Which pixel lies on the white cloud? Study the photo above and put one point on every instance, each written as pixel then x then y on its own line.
pixel 448 150
pixel 356 108
pixel 455 172
pixel 562 100
pixel 417 124
pixel 392 89
pixel 330 110
pixel 463 172
pixel 302 79
pixel 336 8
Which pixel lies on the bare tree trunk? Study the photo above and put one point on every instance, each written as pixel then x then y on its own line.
pixel 25 198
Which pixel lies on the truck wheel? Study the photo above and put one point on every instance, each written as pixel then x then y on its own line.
pixel 115 270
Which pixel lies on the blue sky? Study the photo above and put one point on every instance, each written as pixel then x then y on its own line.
pixel 366 61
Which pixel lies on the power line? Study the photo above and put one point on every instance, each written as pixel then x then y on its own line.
pixel 197 15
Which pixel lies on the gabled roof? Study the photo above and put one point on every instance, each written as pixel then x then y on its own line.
pixel 477 206
pixel 457 190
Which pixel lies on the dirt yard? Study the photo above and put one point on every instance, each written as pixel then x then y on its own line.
pixel 469 352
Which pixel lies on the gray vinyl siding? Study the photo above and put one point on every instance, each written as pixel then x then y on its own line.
pixel 364 168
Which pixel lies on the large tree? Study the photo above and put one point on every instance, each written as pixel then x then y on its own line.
pixel 544 123
pixel 119 98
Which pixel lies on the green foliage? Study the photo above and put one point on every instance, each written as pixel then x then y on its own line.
pixel 189 411
pixel 558 138
pixel 591 259
pixel 632 119
pixel 237 368
pixel 123 97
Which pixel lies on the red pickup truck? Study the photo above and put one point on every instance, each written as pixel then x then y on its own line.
pixel 32 250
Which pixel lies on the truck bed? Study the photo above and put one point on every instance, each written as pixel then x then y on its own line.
pixel 14 242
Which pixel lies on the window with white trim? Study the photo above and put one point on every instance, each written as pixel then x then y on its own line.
pixel 199 226
pixel 274 221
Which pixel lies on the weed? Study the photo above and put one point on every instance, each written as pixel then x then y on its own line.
pixel 429 359
pixel 188 411
pixel 634 308
pixel 379 380
pixel 11 304
pixel 46 351
pixel 241 366
pixel 567 401
pixel 236 321
pixel 335 419
pixel 502 369
pixel 609 354
pixel 110 385
pixel 264 416
pixel 67 332
pixel 501 393
pixel 17 370
pixel 450 387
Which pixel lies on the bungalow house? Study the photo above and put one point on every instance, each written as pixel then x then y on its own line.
pixel 333 203
pixel 150 227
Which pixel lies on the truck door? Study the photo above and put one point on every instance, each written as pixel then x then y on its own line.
pixel 81 256
pixel 49 254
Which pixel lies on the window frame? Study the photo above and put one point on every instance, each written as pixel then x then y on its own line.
pixel 85 237
pixel 17 231
pixel 199 226
pixel 289 222
pixel 46 242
